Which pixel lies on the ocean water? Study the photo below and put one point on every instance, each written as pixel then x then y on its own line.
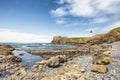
pixel 38 46
pixel 29 59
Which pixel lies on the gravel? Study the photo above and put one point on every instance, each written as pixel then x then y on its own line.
pixel 85 62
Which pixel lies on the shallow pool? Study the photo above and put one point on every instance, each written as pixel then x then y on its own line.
pixel 28 59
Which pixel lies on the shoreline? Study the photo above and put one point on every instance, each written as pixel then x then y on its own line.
pixel 43 72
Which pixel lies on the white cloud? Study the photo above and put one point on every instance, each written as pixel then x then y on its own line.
pixel 81 8
pixel 59 12
pixel 7 35
pixel 110 6
pixel 87 8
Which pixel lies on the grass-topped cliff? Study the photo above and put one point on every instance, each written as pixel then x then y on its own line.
pixel 112 36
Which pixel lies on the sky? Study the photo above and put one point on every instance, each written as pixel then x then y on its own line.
pixel 40 20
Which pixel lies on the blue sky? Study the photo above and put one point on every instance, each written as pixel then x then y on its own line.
pixel 40 20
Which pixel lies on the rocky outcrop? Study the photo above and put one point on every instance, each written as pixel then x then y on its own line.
pixel 59 40
pixel 53 61
pixel 8 61
pixel 99 68
pixel 101 57
pixel 6 54
pixel 70 53
pixel 6 48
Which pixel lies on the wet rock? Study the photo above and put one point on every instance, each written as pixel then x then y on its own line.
pixel 99 68
pixel 21 54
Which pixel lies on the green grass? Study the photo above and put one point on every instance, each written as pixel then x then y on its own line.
pixel 115 30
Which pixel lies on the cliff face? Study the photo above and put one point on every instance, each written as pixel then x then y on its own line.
pixel 112 36
pixel 59 40
pixel 65 40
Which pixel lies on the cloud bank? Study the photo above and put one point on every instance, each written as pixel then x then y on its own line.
pixel 7 35
pixel 103 15
pixel 87 8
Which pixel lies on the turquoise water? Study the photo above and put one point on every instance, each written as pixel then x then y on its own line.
pixel 28 59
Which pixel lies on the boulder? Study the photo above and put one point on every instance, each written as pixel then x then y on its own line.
pixel 101 58
pixel 14 58
pixel 53 61
pixel 99 68
pixel 106 60
pixel 63 58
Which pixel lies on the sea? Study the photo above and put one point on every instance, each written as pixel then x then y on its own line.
pixel 29 59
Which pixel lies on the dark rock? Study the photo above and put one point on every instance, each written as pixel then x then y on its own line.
pixel 21 54
pixel 15 59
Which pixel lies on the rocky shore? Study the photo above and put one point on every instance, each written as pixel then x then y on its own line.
pixel 8 62
pixel 86 62
pixel 83 49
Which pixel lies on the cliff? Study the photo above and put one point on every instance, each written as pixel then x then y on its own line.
pixel 112 36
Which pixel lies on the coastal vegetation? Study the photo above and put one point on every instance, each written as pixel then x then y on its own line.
pixel 112 36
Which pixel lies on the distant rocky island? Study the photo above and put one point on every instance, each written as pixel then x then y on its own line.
pixel 93 58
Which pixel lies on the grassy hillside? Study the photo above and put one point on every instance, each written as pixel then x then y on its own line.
pixel 112 36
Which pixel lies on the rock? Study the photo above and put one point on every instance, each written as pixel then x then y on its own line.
pixel 54 62
pixel 73 69
pixel 83 70
pixel 43 62
pixel 6 53
pixel 63 58
pixel 87 76
pixel 106 53
pixel 101 58
pixel 59 40
pixel 113 60
pixel 6 48
pixel 99 68
pixel 21 54
pixel 106 60
pixel 14 58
